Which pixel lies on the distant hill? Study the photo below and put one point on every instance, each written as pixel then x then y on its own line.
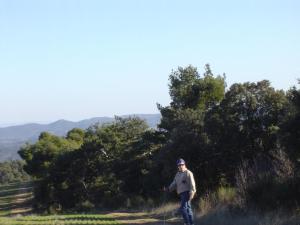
pixel 13 137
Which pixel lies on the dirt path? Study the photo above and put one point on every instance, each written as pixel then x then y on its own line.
pixel 142 218
pixel 16 199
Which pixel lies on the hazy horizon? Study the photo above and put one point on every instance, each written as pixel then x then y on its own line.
pixel 3 125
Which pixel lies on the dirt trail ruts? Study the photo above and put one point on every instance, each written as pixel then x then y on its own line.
pixel 16 199
pixel 143 218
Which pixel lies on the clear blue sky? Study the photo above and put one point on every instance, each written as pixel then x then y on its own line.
pixel 80 59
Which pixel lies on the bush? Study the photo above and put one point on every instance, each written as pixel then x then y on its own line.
pixel 85 206
pixel 268 183
pixel 12 171
pixel 222 197
pixel 135 202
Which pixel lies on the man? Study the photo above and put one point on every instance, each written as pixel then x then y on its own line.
pixel 185 186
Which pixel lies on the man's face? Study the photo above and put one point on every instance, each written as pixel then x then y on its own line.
pixel 181 167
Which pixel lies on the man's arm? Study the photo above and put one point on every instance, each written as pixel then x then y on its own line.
pixel 172 186
pixel 192 185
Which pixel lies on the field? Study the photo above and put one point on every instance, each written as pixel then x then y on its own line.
pixel 16 201
pixel 15 209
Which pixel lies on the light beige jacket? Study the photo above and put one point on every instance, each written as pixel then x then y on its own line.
pixel 183 181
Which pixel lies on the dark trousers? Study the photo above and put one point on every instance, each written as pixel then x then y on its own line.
pixel 185 208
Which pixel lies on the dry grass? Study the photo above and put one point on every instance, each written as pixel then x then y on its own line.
pixel 222 208
pixel 214 200
pixel 223 216
pixel 214 208
pixel 168 209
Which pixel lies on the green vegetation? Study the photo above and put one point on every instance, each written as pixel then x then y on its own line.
pixel 244 139
pixel 15 199
pixel 15 196
pixel 59 220
pixel 12 171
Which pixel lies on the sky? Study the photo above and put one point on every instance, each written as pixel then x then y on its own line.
pixel 76 59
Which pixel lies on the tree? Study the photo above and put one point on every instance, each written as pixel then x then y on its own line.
pixel 41 155
pixel 97 172
pixel 12 171
pixel 189 90
pixel 290 134
pixel 245 124
pixel 193 96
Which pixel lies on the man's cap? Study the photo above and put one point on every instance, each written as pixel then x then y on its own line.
pixel 180 162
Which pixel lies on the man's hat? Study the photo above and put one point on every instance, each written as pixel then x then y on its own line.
pixel 180 162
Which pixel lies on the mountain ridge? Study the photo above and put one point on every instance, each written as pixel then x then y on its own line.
pixel 13 137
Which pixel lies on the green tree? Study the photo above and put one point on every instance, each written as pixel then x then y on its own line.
pixel 97 172
pixel 291 127
pixel 41 155
pixel 245 124
pixel 193 96
pixel 12 171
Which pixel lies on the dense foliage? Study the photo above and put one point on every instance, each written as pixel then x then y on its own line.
pixel 216 130
pixel 12 171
